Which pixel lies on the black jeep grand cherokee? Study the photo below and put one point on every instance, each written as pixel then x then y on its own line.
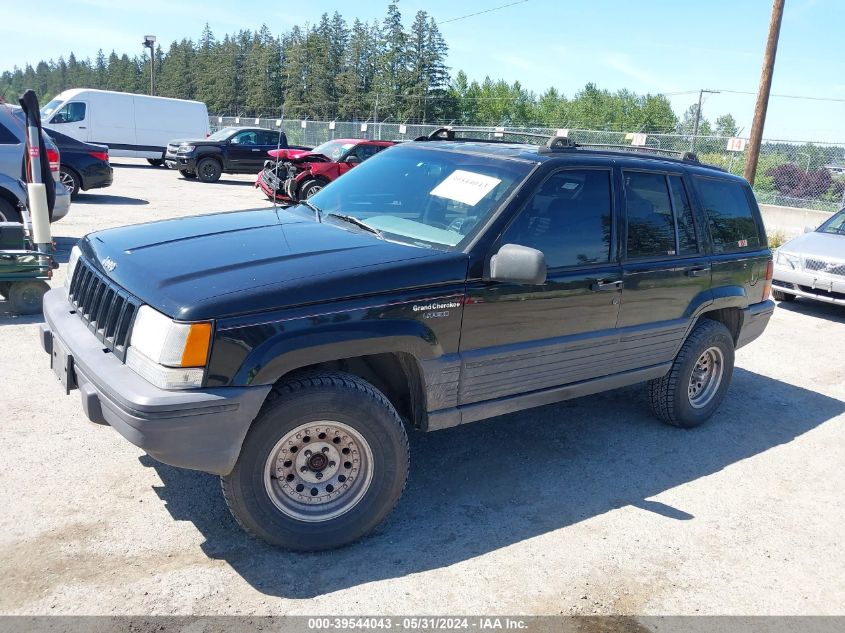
pixel 439 283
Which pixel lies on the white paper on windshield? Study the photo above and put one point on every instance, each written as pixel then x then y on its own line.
pixel 465 186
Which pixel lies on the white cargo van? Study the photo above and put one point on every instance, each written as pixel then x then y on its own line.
pixel 131 125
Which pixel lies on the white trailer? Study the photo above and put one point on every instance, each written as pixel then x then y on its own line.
pixel 131 125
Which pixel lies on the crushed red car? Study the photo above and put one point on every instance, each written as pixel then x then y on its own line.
pixel 295 174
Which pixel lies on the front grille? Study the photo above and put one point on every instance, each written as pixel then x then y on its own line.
pixel 822 266
pixel 107 309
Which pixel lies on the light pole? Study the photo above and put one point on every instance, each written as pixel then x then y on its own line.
pixel 150 42
pixel 807 171
pixel 698 115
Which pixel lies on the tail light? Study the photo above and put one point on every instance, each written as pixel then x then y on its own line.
pixel 770 274
pixel 104 156
pixel 53 158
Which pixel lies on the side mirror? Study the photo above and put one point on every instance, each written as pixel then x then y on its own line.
pixel 518 265
pixel 352 159
pixel 809 229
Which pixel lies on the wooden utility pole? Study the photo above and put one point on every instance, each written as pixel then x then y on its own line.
pixel 763 93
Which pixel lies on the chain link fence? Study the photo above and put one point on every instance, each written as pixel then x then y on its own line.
pixel 807 175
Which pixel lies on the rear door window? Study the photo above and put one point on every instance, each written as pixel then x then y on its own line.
pixel 729 215
pixel 7 137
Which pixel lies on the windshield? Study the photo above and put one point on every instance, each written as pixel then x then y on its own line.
pixel 50 107
pixel 222 134
pixel 835 225
pixel 428 197
pixel 333 149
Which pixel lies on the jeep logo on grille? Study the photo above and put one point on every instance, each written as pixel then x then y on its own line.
pixel 109 264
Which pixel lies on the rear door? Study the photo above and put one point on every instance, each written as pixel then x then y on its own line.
pixel 666 271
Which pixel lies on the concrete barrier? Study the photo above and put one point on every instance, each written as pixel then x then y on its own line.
pixel 790 220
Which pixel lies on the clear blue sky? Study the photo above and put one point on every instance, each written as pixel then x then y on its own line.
pixel 665 46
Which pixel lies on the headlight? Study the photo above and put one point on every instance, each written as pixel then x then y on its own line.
pixel 168 354
pixel 788 260
pixel 185 149
pixel 71 264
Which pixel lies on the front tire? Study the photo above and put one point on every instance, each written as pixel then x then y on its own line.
pixel 8 212
pixel 25 297
pixel 780 295
pixel 310 188
pixel 324 463
pixel 209 170
pixel 697 383
pixel 155 162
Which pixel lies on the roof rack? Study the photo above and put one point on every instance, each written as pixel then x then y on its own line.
pixel 554 143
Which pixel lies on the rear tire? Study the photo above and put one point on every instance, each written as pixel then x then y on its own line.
pixel 155 162
pixel 187 174
pixel 70 180
pixel 4 288
pixel 310 188
pixel 284 490
pixel 25 297
pixel 209 170
pixel 780 295
pixel 8 213
pixel 698 381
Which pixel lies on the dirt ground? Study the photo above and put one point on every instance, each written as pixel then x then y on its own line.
pixel 590 506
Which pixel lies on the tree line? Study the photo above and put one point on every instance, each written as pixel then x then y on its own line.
pixel 359 71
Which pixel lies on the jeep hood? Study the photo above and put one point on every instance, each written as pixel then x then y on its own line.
pixel 227 264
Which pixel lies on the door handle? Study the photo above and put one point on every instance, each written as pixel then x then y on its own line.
pixel 255 150
pixel 696 271
pixel 602 285
pixel 82 127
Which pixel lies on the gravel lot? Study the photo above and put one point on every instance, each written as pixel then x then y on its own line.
pixel 590 506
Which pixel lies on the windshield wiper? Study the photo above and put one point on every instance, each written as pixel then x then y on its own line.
pixel 358 223
pixel 317 212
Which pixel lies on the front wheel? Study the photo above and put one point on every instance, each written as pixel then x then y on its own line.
pixel 310 188
pixel 209 170
pixel 324 463
pixel 696 385
pixel 155 162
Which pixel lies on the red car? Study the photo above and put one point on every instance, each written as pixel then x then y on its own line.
pixel 299 174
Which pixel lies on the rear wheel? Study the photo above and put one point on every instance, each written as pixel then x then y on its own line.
pixel 187 174
pixel 780 295
pixel 696 385
pixel 70 180
pixel 25 297
pixel 4 288
pixel 8 213
pixel 310 188
pixel 155 162
pixel 209 170
pixel 324 463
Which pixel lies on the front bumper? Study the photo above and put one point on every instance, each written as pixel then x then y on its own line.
pixel 201 429
pixel 182 162
pixel 811 285
pixel 755 318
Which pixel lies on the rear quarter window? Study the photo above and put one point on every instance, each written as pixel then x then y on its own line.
pixel 730 215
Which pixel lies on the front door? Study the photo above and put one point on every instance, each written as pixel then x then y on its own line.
pixel 665 269
pixel 247 151
pixel 72 119
pixel 520 338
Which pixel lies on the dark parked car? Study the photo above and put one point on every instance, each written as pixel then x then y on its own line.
pixel 441 282
pixel 232 150
pixel 83 165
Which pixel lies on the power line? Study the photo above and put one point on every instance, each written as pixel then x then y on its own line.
pixel 472 15
pixel 746 92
